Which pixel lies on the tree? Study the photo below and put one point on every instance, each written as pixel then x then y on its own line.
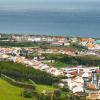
pixel 57 93
pixel 28 93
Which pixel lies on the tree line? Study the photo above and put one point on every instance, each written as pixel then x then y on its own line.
pixel 22 72
pixel 75 60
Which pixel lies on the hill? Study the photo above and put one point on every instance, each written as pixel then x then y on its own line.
pixel 10 92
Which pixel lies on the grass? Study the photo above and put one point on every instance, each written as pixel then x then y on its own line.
pixel 10 92
pixel 40 88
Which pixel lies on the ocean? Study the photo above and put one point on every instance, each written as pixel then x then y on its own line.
pixel 62 23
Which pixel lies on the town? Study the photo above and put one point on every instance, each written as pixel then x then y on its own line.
pixel 81 75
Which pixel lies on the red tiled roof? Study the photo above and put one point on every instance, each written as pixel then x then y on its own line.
pixel 74 73
pixel 93 95
pixel 98 71
pixel 91 86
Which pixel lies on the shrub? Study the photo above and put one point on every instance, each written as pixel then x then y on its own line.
pixel 28 93
pixel 16 83
pixel 66 89
pixel 57 93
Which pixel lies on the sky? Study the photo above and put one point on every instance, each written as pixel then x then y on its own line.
pixel 65 5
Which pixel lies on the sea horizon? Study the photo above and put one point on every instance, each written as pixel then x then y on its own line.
pixel 45 22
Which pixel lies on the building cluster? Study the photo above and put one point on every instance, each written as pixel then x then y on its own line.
pixel 90 43
pixel 6 53
pixel 79 79
pixel 82 79
pixel 54 40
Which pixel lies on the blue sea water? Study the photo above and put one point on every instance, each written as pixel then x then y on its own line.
pixel 84 24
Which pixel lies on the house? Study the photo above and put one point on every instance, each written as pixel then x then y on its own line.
pixel 19 59
pixel 91 86
pixel 44 67
pixel 75 84
pixel 74 40
pixel 54 71
pixel 97 42
pixel 88 42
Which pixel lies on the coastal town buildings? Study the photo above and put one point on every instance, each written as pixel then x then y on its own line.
pixel 79 79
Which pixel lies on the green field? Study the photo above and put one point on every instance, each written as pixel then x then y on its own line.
pixel 10 92
pixel 40 88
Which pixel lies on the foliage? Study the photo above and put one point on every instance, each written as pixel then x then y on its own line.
pixel 19 93
pixel 57 93
pixel 74 60
pixel 22 72
pixel 22 44
pixel 77 46
pixel 58 64
pixel 66 89
pixel 98 75
pixel 28 93
pixel 16 83
pixel 32 82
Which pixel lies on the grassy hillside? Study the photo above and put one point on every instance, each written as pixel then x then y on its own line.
pixel 9 92
pixel 40 88
pixel 22 72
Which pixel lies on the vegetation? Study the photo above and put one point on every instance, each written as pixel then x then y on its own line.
pixel 41 92
pixel 16 83
pixel 22 44
pixel 28 93
pixel 77 46
pixel 98 75
pixel 3 39
pixel 16 93
pixel 10 92
pixel 22 73
pixel 40 88
pixel 73 60
pixel 59 64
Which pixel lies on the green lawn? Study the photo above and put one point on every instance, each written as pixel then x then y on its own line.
pixel 10 92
